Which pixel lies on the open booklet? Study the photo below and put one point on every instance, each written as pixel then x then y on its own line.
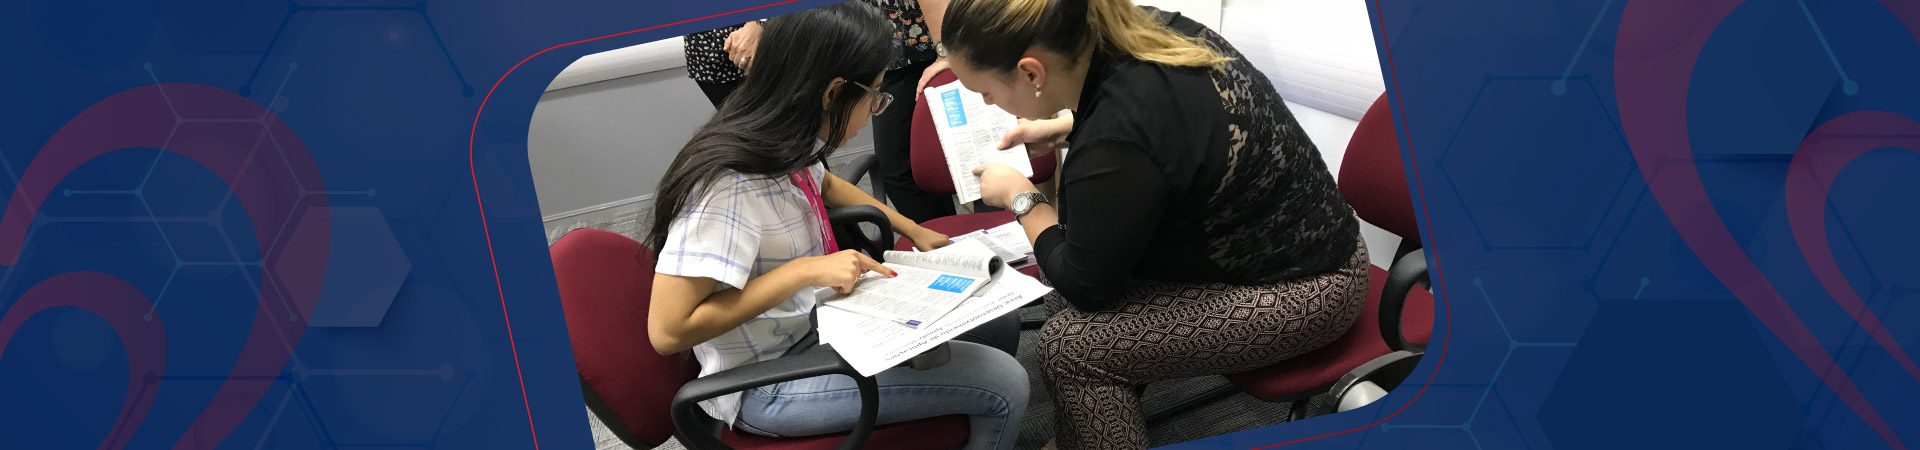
pixel 1009 241
pixel 872 345
pixel 970 132
pixel 929 284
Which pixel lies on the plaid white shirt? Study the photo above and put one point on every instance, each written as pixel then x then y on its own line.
pixel 743 228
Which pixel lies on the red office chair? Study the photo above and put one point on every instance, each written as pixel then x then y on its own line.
pixel 1380 348
pixel 930 174
pixel 605 280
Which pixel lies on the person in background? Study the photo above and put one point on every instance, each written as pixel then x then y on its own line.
pixel 1198 231
pixel 743 240
pixel 916 25
pixel 714 58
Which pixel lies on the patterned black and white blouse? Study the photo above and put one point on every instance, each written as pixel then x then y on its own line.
pixel 910 30
pixel 707 60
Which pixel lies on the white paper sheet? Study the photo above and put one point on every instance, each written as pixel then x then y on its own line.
pixel 970 132
pixel 1012 237
pixel 872 346
pixel 964 258
pixel 1008 241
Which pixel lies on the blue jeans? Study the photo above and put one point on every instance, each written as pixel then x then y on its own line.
pixel 983 383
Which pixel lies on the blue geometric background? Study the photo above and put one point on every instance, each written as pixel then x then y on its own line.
pixel 1574 315
pixel 409 343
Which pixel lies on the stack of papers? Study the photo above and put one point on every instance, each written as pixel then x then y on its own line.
pixel 873 345
pixel 1008 241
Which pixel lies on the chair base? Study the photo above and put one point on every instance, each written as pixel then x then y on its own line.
pixel 1032 324
pixel 1194 402
pixel 1387 372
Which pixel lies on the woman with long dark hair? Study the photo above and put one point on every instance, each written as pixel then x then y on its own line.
pixel 1198 230
pixel 741 231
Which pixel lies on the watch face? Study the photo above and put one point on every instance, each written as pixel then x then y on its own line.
pixel 1021 203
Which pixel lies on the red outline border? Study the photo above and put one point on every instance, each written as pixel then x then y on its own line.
pixel 484 229
pixel 1425 216
pixel 473 173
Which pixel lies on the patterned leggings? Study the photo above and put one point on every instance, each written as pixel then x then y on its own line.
pixel 1097 361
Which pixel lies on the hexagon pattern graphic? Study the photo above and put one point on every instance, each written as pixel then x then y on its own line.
pixel 365 268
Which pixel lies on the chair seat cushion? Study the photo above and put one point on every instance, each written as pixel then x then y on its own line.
pixel 603 300
pixel 935 433
pixel 1371 175
pixel 963 223
pixel 1316 371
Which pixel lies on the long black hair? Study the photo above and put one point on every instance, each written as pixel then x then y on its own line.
pixel 770 125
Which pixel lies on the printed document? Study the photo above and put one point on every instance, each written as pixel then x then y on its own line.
pixel 872 346
pixel 970 132
pixel 929 284
pixel 1009 241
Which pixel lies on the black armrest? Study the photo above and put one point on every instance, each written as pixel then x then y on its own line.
pixel 857 169
pixel 846 230
pixel 698 432
pixel 1407 271
pixel 1386 371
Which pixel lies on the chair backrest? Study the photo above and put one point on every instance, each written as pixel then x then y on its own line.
pixel 605 280
pixel 930 160
pixel 1372 177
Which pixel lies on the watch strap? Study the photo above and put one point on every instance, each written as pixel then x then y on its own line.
pixel 1033 199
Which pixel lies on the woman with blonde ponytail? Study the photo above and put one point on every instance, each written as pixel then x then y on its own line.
pixel 1197 232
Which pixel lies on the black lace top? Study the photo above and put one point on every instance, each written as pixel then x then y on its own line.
pixel 1189 174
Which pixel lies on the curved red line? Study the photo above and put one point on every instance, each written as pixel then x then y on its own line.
pixel 123 307
pixel 1652 96
pixel 1446 339
pixel 144 117
pixel 1806 200
pixel 482 206
pixel 1439 280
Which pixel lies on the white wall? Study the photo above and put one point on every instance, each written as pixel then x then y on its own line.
pixel 610 141
pixel 608 126
pixel 1319 53
pixel 1207 12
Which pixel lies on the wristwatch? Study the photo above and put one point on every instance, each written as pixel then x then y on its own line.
pixel 1025 201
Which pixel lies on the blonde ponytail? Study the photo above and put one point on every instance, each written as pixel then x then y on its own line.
pixel 993 34
pixel 1122 27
